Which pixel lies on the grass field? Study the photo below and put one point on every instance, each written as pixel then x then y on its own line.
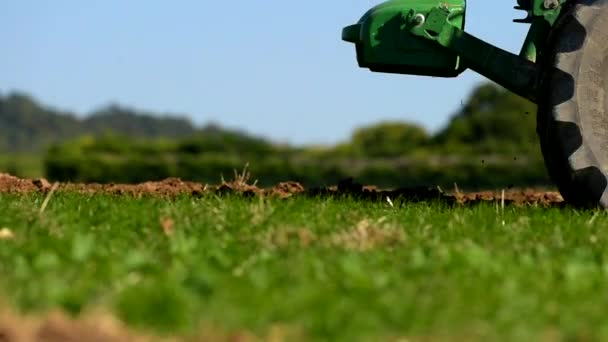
pixel 311 269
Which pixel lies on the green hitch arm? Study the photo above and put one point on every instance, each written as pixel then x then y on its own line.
pixel 542 15
pixel 515 73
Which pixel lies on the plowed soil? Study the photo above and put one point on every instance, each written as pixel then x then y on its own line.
pixel 174 187
pixel 100 327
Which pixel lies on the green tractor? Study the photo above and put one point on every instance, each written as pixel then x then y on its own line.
pixel 562 67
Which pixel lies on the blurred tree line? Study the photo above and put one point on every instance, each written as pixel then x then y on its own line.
pixel 490 141
pixel 27 126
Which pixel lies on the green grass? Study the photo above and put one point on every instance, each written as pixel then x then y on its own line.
pixel 330 269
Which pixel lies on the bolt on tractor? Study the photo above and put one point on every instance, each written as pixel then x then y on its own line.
pixel 562 67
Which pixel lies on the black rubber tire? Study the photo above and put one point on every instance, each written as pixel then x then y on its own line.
pixel 573 105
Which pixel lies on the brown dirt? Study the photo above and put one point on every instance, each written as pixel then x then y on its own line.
pixel 102 327
pixel 172 187
pixel 57 327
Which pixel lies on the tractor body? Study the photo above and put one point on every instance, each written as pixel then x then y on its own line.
pixel 562 67
pixel 427 37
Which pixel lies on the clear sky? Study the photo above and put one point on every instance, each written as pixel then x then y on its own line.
pixel 273 68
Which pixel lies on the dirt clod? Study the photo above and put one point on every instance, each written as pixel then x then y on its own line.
pixel 42 184
pixel 287 189
pixel 13 184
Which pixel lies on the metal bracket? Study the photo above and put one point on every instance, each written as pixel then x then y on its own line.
pixel 524 5
pixel 547 9
pixel 513 72
pixel 542 14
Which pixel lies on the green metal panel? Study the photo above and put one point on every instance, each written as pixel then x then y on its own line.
pixel 427 37
pixel 384 43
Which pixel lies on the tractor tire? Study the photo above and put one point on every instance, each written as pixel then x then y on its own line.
pixel 573 104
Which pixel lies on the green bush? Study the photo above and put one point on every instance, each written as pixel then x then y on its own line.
pixel 490 142
pixel 133 164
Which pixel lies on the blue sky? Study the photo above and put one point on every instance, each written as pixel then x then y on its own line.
pixel 273 68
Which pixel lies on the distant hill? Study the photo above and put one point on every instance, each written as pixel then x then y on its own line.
pixel 28 126
pixel 491 121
